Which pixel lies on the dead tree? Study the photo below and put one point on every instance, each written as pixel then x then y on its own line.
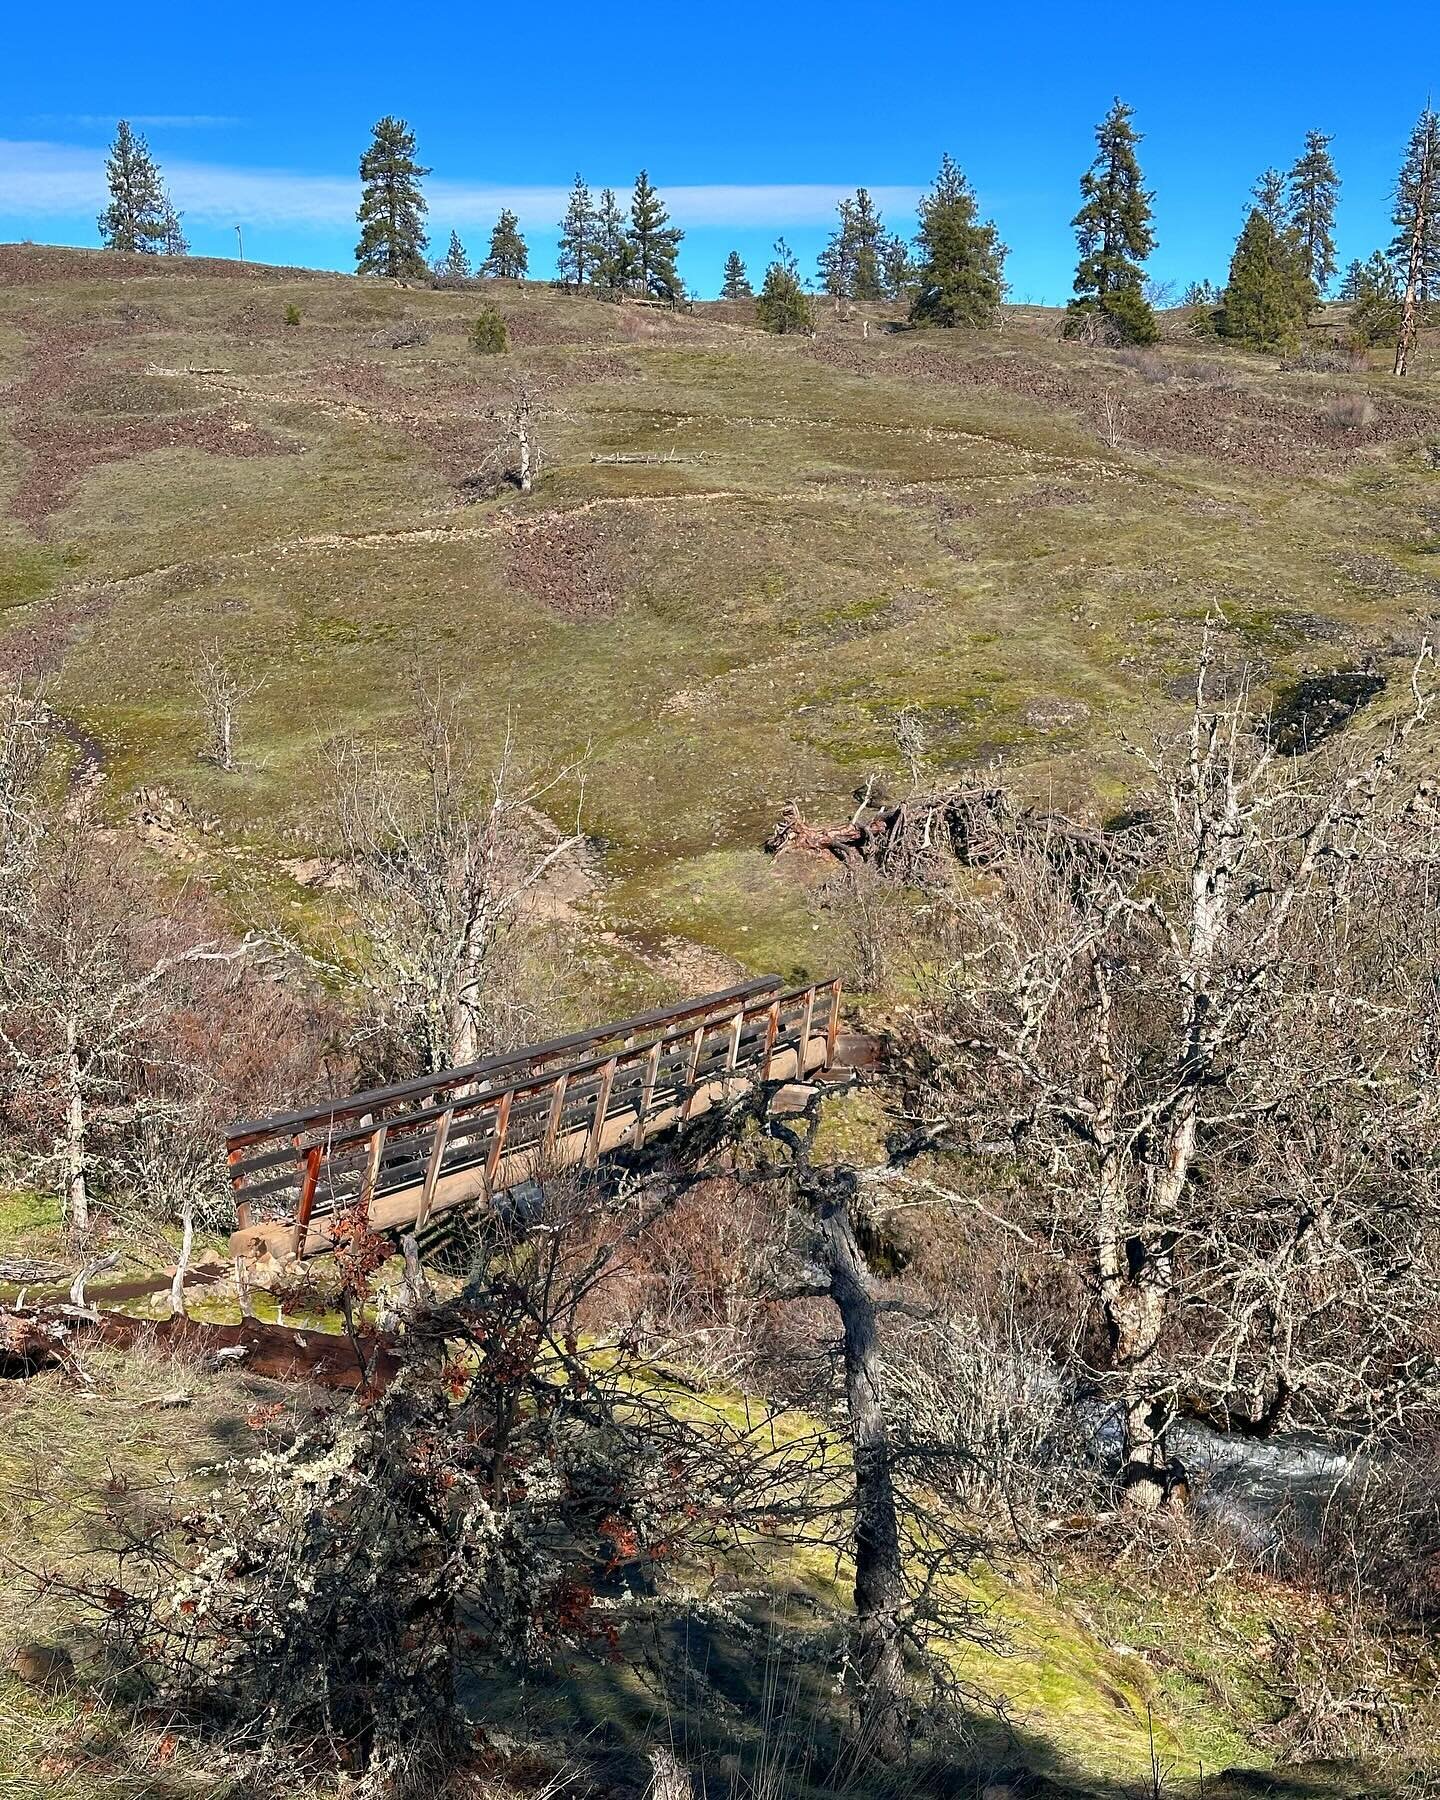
pixel 1419 196
pixel 1195 1058
pixel 220 692
pixel 445 858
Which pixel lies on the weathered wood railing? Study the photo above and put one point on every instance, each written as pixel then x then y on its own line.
pixel 404 1154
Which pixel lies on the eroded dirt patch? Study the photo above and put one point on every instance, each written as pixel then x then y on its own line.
pixel 570 563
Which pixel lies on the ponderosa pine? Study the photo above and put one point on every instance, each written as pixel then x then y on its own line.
pixel 392 207
pixel 576 254
pixel 1269 295
pixel 614 269
pixel 961 275
pixel 508 256
pixel 1313 190
pixel 1114 234
pixel 456 263
pixel 782 305
pixel 137 216
pixel 1416 248
pixel 655 243
pixel 736 285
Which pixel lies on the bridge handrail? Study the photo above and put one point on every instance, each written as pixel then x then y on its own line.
pixel 303 1158
pixel 242 1133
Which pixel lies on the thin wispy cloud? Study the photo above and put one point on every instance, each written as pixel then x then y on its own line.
pixel 50 180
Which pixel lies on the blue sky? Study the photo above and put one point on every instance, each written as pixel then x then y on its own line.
pixel 751 119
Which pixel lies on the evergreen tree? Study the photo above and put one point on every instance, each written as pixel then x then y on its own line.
pixel 1417 202
pixel 1416 249
pixel 655 243
pixel 783 305
pixel 577 255
pixel 1270 198
pixel 1313 191
pixel 737 282
pixel 851 266
pixel 1374 291
pixel 961 275
pixel 1269 294
pixel 896 267
pixel 837 260
pixel 1352 282
pixel 507 256
pixel 615 267
pixel 175 241
pixel 456 265
pixel 1113 231
pixel 392 208
pixel 136 218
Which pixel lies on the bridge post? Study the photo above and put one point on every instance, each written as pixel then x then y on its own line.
pixel 432 1166
pixel 772 1029
pixel 313 1158
pixel 497 1148
pixel 647 1092
pixel 597 1124
pixel 692 1073
pixel 557 1113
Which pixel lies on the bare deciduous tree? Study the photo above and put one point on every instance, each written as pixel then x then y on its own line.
pixel 221 691
pixel 445 860
pixel 1211 1062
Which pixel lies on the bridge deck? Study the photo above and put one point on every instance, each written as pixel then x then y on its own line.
pixel 406 1154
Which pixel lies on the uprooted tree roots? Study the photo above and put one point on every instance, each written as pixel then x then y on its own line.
pixel 974 823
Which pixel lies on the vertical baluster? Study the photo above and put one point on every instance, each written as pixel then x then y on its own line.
pixel 772 1028
pixel 692 1073
pixel 802 1055
pixel 497 1146
pixel 432 1166
pixel 313 1158
pixel 602 1102
pixel 647 1092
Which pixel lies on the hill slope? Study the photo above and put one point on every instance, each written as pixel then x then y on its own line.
pixel 745 557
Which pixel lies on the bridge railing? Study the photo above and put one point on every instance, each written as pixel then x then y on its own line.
pixel 399 1152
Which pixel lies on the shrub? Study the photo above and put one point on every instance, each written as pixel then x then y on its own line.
pixel 1350 412
pixel 292 314
pixel 487 333
pixel 399 336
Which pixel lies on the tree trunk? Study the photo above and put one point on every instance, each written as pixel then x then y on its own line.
pixel 187 1244
pixel 880 1593
pixel 77 1192
pixel 522 433
pixel 1419 230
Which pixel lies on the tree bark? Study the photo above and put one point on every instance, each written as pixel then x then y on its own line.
pixel 77 1192
pixel 1419 225
pixel 880 1592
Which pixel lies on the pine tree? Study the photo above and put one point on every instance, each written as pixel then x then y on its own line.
pixel 961 277
pixel 1374 291
pixel 1417 208
pixel 737 282
pixel 576 256
pixel 1269 294
pixel 615 262
pixel 456 266
pixel 175 242
pixel 1114 234
pixel 136 217
pixel 896 267
pixel 655 242
pixel 836 261
pixel 508 257
pixel 783 305
pixel 1270 199
pixel 392 208
pixel 1314 188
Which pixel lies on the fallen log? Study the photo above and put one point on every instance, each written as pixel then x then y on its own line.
pixel 975 824
pixel 37 1339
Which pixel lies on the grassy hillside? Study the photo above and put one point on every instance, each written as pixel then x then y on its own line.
pixel 746 555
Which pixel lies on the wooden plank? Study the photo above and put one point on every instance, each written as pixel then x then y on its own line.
pixel 834 1029
pixel 597 1126
pixel 313 1158
pixel 497 1146
pixel 432 1170
pixel 557 1112
pixel 772 1029
pixel 647 1092
pixel 372 1169
pixel 808 1022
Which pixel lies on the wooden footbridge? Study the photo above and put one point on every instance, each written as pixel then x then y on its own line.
pixel 405 1155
